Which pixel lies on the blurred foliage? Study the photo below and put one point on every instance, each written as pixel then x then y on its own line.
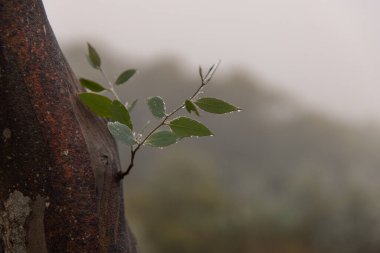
pixel 275 178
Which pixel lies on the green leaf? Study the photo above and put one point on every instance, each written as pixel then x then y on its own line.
pixel 91 85
pixel 157 107
pixel 125 76
pixel 161 139
pixel 186 127
pixel 214 105
pixel 120 113
pixel 121 132
pixel 99 104
pixel 93 57
pixel 133 104
pixel 191 107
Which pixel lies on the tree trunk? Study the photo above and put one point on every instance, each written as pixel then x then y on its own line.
pixel 58 163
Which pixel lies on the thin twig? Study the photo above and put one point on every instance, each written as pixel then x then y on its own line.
pixel 110 84
pixel 204 81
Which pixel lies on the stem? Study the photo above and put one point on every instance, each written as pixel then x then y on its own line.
pixel 204 80
pixel 121 174
pixel 110 84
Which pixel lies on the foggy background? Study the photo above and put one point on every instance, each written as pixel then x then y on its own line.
pixel 297 170
pixel 325 52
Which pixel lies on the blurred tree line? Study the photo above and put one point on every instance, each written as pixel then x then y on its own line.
pixel 277 177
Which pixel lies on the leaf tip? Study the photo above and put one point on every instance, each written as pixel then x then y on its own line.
pixel 93 57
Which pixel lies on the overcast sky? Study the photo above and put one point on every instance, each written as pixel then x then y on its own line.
pixel 325 52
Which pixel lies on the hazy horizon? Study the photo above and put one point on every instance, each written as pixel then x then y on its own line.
pixel 325 53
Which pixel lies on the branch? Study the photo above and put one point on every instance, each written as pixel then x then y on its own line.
pixel 204 80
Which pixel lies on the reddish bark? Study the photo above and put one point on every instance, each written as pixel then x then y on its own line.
pixel 51 146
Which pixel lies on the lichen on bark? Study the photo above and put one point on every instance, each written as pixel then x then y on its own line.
pixel 12 222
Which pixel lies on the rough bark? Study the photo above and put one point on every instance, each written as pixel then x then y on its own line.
pixel 58 163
